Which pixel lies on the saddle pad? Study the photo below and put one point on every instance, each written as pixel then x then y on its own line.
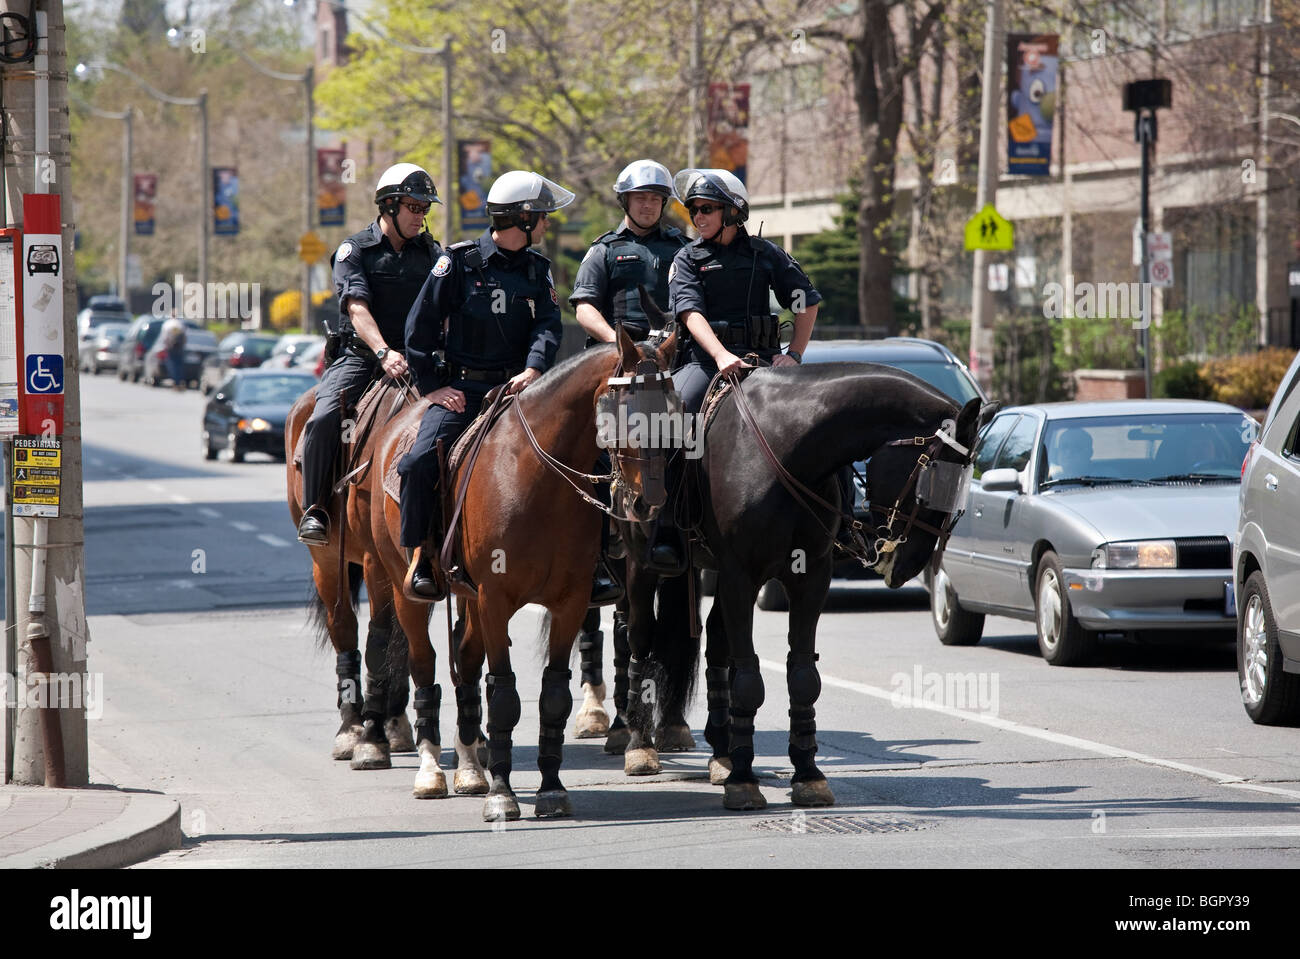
pixel 393 482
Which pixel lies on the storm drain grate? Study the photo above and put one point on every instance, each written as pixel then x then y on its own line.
pixel 799 822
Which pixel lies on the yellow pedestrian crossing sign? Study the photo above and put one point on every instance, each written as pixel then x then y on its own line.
pixel 989 230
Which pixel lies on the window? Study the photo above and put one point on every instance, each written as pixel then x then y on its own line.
pixel 991 441
pixel 1015 451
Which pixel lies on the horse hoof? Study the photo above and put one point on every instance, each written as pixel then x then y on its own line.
pixel 814 793
pixel 470 782
pixel 591 723
pixel 743 796
pixel 674 739
pixel 371 756
pixel 430 785
pixel 617 740
pixel 347 741
pixel 719 770
pixel 553 805
pixel 500 808
pixel 641 762
pixel 400 736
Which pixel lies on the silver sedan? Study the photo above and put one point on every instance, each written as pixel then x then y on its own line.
pixel 1087 518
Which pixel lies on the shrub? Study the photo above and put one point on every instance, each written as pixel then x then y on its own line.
pixel 1182 381
pixel 1250 380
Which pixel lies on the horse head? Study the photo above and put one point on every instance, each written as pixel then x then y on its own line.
pixel 917 488
pixel 639 420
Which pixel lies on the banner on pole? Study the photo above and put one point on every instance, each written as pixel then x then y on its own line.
pixel 1032 65
pixel 146 195
pixel 331 194
pixel 729 127
pixel 225 200
pixel 473 179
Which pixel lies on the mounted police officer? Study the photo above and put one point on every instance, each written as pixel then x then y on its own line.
pixel 377 275
pixel 495 299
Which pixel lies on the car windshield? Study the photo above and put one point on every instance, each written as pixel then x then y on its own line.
pixel 272 390
pixel 195 338
pixel 1146 448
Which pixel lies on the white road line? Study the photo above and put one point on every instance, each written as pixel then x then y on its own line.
pixel 242 526
pixel 270 540
pixel 1210 832
pixel 209 512
pixel 1074 742
pixel 178 498
pixel 158 487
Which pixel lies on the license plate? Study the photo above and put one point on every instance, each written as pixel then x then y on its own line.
pixel 1229 600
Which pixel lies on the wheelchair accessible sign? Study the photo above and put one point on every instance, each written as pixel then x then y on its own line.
pixel 37 476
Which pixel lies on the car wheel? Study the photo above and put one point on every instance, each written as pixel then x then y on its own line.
pixel 772 597
pixel 1061 640
pixel 121 374
pixel 1271 696
pixel 135 377
pixel 953 625
pixel 209 451
pixel 236 454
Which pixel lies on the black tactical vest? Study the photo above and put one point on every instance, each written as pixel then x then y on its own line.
pixel 631 261
pixel 492 328
pixel 737 279
pixel 395 281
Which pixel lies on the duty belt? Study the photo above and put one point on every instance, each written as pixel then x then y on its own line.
pixel 759 331
pixel 491 377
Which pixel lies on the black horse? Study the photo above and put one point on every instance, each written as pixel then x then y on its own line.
pixel 751 528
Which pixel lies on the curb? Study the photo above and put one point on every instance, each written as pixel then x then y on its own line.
pixel 148 826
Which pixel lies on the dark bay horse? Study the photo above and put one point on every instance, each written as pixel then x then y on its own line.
pixel 751 528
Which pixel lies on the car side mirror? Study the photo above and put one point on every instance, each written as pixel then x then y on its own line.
pixel 1004 480
pixel 220 398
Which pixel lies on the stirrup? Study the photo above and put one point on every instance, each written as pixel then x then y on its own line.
pixel 321 516
pixel 408 583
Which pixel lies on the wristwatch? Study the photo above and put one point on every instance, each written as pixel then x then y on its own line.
pixel 381 353
pixel 794 355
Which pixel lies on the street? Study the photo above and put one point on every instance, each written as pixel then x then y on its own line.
pixel 216 694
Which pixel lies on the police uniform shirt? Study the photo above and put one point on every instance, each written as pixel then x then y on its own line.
pixel 713 279
pixel 499 314
pixel 604 285
pixel 367 268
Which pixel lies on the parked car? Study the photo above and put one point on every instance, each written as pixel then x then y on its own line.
pixel 926 359
pixel 290 348
pixel 240 350
pixel 199 345
pixel 1086 518
pixel 311 358
pixel 1266 564
pixel 247 412
pixel 139 339
pixel 101 309
pixel 99 345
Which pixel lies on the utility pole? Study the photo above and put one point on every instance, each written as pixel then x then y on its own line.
pixel 450 187
pixel 981 324
pixel 54 577
pixel 693 96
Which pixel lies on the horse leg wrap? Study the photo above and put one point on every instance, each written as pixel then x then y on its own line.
pixel 641 696
pixel 553 707
pixel 503 716
pixel 591 649
pixel 347 666
pixel 719 694
pixel 746 698
pixel 469 713
pixel 622 653
pixel 376 671
pixel 428 700
pixel 804 685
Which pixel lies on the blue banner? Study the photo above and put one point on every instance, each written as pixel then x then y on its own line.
pixel 1032 65
pixel 472 184
pixel 225 200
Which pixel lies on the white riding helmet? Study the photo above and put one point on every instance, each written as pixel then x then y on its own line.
pixel 522 191
pixel 712 184
pixel 645 176
pixel 406 179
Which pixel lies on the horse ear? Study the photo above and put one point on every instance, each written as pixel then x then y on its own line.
pixel 652 309
pixel 668 348
pixel 969 422
pixel 987 412
pixel 630 356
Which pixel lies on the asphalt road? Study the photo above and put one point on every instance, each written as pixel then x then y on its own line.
pixel 983 756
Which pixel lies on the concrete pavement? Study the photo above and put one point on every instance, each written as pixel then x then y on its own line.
pixel 97 828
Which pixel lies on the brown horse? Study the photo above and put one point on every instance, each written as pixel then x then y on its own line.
pixel 527 535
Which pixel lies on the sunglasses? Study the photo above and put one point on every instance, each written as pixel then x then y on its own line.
pixel 418 208
pixel 704 208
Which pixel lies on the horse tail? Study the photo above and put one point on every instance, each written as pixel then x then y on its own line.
pixel 318 620
pixel 671 645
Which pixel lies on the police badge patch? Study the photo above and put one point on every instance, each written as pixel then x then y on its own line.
pixel 443 266
pixel 554 299
pixel 345 250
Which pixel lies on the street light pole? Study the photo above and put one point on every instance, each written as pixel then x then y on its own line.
pixel 981 324
pixel 448 178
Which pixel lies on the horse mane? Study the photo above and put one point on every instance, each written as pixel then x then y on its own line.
pixel 553 378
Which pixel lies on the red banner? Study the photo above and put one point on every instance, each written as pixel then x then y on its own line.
pixel 729 127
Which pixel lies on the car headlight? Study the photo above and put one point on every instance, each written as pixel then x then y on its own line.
pixel 1139 554
pixel 254 425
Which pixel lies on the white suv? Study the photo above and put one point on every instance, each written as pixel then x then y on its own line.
pixel 1266 564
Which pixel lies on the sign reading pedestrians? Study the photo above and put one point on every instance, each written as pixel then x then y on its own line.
pixel 38 470
pixel 989 230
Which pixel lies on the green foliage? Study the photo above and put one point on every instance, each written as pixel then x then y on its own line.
pixel 1200 333
pixel 1181 381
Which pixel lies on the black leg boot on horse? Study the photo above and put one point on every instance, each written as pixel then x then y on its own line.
pixel 808 787
pixel 640 758
pixel 347 666
pixel 591 721
pixel 470 779
pixel 373 752
pixel 616 741
pixel 397 727
pixel 741 789
pixel 553 708
pixel 503 717
pixel 430 781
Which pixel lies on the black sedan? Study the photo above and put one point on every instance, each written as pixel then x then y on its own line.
pixel 248 410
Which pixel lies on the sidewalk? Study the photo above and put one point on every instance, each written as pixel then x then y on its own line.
pixel 98 828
